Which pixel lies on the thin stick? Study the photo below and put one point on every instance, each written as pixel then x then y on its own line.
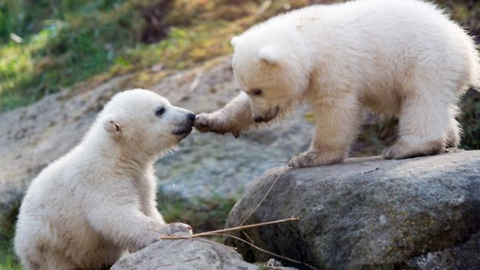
pixel 248 237
pixel 232 229
pixel 264 197
pixel 258 205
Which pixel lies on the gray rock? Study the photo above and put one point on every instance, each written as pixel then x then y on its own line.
pixel 369 213
pixel 186 254
pixel 463 256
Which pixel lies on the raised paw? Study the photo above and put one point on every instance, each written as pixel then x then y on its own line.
pixel 203 123
pixel 207 123
pixel 312 159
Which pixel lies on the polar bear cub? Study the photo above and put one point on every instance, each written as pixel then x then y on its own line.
pixel 85 210
pixel 402 58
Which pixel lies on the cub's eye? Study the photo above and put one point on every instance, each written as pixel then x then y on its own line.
pixel 160 111
pixel 257 92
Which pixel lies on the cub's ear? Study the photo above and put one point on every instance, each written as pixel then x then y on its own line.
pixel 270 54
pixel 113 125
pixel 234 41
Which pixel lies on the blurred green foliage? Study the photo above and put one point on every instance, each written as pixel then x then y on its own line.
pixel 63 42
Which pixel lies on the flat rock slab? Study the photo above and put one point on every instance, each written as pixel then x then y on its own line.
pixel 187 254
pixel 370 213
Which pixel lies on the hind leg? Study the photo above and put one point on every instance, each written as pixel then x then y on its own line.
pixel 39 256
pixel 426 124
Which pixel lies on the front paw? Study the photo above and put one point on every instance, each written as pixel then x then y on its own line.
pixel 178 228
pixel 208 123
pixel 402 149
pixel 204 123
pixel 313 159
pixel 393 152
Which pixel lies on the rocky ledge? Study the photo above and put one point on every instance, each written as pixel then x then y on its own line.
pixel 369 213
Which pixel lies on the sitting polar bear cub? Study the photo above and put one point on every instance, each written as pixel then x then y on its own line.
pixel 401 58
pixel 85 210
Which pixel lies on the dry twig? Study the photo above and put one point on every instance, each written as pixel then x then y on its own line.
pixel 264 197
pixel 243 227
pixel 268 252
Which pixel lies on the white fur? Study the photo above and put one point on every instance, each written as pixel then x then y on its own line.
pixel 97 202
pixel 402 58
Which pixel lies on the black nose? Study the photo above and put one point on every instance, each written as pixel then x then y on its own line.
pixel 258 119
pixel 191 117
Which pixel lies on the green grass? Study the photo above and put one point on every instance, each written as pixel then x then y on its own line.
pixel 74 43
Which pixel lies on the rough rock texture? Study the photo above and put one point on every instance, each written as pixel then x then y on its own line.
pixel 369 213
pixel 205 165
pixel 191 254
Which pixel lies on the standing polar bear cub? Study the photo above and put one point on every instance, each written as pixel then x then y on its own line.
pixel 402 58
pixel 85 210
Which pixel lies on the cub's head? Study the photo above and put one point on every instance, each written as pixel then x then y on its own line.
pixel 144 122
pixel 270 73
